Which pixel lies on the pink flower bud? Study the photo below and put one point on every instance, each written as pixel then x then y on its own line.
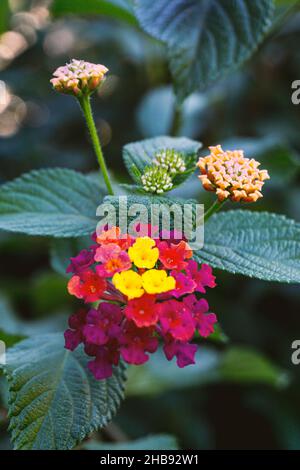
pixel 78 77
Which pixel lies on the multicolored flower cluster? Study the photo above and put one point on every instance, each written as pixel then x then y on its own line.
pixel 147 290
pixel 230 175
pixel 78 77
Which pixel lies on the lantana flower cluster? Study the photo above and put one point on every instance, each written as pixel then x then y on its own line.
pixel 144 291
pixel 231 175
pixel 166 165
pixel 78 77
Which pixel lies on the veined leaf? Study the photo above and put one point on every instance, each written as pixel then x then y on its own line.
pixel 205 39
pixel 53 202
pixel 54 400
pixel 256 244
pixel 167 213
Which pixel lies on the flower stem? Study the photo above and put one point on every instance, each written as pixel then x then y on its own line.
pixel 85 105
pixel 177 121
pixel 215 207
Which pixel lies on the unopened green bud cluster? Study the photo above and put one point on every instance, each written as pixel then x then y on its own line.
pixel 170 160
pixel 158 178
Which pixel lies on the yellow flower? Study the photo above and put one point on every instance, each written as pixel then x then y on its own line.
pixel 129 283
pixel 231 175
pixel 143 254
pixel 156 281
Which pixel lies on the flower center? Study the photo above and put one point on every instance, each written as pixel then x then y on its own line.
pixel 113 264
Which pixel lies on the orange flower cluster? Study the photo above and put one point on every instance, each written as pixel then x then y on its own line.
pixel 230 175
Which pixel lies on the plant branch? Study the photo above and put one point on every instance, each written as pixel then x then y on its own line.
pixel 215 207
pixel 85 105
pixel 177 121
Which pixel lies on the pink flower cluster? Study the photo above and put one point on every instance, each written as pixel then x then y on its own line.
pixel 78 77
pixel 136 312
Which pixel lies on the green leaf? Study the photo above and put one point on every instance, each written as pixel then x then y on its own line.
pixel 152 205
pixel 119 9
pixel 146 200
pixel 63 249
pixel 155 442
pixel 54 400
pixel 205 39
pixel 235 365
pixel 256 244
pixel 138 155
pixel 52 202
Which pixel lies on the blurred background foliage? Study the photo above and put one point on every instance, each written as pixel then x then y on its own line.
pixel 244 390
